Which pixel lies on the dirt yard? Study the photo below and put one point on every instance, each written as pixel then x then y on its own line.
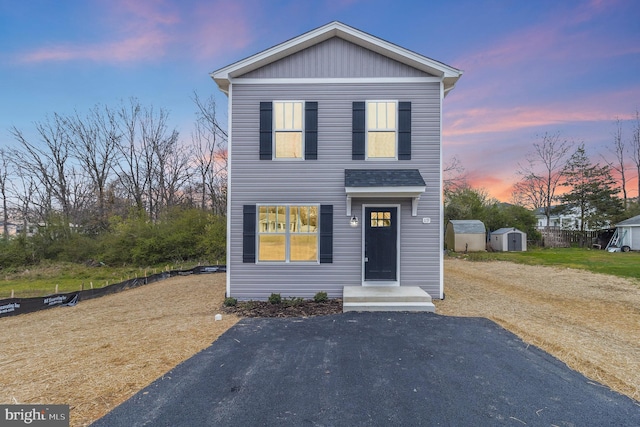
pixel 99 353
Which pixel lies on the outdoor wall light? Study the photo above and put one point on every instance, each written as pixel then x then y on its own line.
pixel 354 221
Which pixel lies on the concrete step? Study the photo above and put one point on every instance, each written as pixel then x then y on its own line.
pixel 386 298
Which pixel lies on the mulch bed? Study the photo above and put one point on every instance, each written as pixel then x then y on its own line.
pixel 300 309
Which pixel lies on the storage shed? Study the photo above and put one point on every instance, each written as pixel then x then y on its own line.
pixel 465 235
pixel 627 235
pixel 508 239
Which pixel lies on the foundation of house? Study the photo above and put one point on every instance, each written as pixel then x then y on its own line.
pixel 386 298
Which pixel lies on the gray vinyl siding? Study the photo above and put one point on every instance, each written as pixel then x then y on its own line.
pixel 321 181
pixel 335 57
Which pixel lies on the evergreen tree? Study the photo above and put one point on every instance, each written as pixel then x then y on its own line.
pixel 592 191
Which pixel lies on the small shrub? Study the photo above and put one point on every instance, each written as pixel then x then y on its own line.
pixel 292 301
pixel 230 302
pixel 321 297
pixel 275 299
pixel 248 305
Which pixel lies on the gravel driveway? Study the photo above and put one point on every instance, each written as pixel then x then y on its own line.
pixel 370 369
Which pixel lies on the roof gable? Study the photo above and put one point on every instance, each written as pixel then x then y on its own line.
pixel 335 58
pixel 448 74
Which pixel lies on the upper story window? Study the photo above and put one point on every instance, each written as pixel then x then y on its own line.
pixel 288 129
pixel 382 129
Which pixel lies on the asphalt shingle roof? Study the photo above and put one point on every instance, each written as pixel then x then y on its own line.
pixel 505 230
pixel 631 221
pixel 468 226
pixel 383 178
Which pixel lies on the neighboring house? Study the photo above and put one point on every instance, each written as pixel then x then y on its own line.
pixel 466 235
pixel 627 234
pixel 17 228
pixel 11 228
pixel 334 166
pixel 508 239
pixel 565 219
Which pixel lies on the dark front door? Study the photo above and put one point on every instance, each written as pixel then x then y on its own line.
pixel 380 243
pixel 515 242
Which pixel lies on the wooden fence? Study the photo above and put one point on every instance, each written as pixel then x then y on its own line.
pixel 554 237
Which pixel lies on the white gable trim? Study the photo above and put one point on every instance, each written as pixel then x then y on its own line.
pixel 337 80
pixel 447 73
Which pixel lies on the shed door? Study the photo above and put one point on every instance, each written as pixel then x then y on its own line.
pixel 380 244
pixel 514 242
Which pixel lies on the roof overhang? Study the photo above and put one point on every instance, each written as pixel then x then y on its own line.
pixel 448 74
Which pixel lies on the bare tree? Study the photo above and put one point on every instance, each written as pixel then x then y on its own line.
pixel 529 191
pixel 207 115
pixel 217 182
pixel 94 142
pixel 619 150
pixel 4 175
pixel 24 189
pixel 453 176
pixel 162 160
pixel 130 170
pixel 541 174
pixel 49 163
pixel 210 146
pixel 635 148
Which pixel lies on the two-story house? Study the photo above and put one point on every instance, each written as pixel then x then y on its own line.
pixel 335 152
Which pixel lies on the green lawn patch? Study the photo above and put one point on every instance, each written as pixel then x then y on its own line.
pixel 622 264
pixel 42 279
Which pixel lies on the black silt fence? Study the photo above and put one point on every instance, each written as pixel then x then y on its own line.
pixel 15 306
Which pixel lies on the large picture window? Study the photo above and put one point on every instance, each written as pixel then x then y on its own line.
pixel 288 129
pixel 381 129
pixel 288 233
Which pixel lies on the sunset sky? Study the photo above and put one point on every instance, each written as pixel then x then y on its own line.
pixel 530 67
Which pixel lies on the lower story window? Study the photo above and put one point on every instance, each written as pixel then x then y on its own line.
pixel 288 233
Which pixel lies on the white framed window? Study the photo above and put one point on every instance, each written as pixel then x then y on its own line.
pixel 288 233
pixel 288 130
pixel 382 127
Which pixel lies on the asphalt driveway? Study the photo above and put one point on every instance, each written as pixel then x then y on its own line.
pixel 373 369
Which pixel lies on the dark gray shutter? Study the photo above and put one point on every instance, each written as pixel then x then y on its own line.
pixel 326 234
pixel 358 131
pixel 249 233
pixel 266 130
pixel 311 130
pixel 404 131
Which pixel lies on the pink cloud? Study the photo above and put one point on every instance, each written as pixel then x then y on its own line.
pixel 592 108
pixel 139 30
pixel 143 46
pixel 561 38
pixel 218 27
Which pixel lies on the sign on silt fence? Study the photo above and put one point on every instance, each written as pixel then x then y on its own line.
pixel 34 415
pixel 12 306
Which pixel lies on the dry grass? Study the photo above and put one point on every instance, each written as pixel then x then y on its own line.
pixel 589 321
pixel 99 353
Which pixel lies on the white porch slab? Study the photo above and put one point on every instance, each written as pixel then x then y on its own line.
pixel 386 298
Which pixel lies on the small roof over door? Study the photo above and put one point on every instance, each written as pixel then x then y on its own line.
pixel 384 183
